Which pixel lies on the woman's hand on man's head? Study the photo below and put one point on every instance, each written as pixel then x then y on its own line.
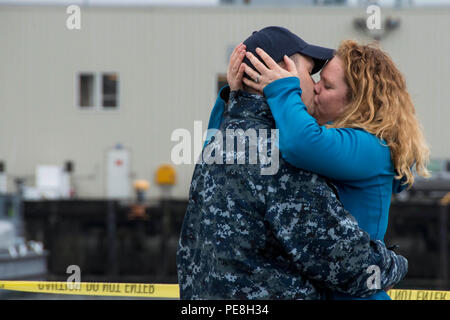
pixel 267 75
pixel 235 71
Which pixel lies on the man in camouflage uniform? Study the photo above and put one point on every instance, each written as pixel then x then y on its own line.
pixel 282 236
pixel 251 232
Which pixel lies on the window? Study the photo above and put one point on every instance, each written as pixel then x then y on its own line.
pixel 221 81
pixel 86 87
pixel 109 90
pixel 98 91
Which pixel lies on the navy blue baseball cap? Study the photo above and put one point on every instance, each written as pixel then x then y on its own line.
pixel 279 41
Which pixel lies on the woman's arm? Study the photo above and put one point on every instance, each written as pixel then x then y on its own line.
pixel 341 154
pixel 215 119
pixel 235 73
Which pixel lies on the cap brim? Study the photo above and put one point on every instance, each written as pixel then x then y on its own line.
pixel 320 55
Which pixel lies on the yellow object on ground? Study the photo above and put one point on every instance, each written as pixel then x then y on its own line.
pixel 145 290
pixel 170 291
pixel 399 294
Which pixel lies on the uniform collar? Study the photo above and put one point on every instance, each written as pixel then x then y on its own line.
pixel 243 104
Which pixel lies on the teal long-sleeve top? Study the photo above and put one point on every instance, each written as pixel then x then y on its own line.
pixel 357 162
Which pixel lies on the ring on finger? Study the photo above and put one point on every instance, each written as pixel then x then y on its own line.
pixel 257 79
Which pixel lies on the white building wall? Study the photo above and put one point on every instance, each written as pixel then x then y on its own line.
pixel 168 60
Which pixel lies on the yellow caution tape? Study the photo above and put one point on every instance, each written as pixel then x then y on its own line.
pixel 399 294
pixel 145 290
pixel 148 290
pixel 445 201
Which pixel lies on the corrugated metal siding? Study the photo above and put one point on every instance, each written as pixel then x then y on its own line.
pixel 168 60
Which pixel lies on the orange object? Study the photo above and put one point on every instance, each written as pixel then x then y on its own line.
pixel 141 185
pixel 165 175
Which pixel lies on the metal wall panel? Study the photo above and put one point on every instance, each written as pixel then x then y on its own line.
pixel 168 61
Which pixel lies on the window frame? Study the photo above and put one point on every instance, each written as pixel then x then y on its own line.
pixel 97 91
pixel 100 83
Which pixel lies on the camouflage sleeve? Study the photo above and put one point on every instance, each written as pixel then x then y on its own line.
pixel 324 240
pixel 393 267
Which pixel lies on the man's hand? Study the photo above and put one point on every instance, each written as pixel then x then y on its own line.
pixel 266 75
pixel 235 71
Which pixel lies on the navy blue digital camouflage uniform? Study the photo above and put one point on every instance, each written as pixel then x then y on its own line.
pixel 286 235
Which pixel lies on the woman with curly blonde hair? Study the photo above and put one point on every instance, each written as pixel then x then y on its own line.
pixel 381 105
pixel 359 128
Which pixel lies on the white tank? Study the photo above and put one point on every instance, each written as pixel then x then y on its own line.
pixel 7 234
pixel 118 183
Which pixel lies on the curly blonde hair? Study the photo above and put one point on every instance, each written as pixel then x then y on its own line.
pixel 381 105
